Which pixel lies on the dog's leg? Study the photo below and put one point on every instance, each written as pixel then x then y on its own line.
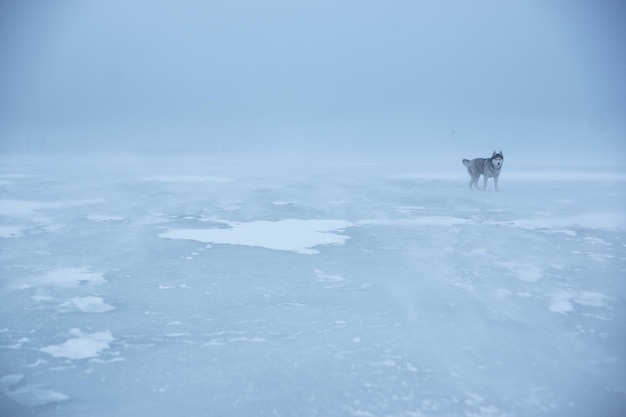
pixel 484 182
pixel 495 182
pixel 474 181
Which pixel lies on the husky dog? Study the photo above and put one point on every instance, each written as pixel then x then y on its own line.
pixel 487 167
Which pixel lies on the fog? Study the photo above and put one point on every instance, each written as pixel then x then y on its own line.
pixel 260 209
pixel 425 78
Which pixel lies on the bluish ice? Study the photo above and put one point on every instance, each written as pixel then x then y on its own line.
pixel 202 286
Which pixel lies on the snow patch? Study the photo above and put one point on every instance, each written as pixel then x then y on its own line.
pixel 503 292
pixel 63 278
pixel 478 252
pixel 11 231
pixel 31 395
pixel 599 221
pixel 35 395
pixel 566 176
pixel 525 272
pixel 8 381
pixel 86 305
pixel 597 241
pixel 439 221
pixel 295 235
pixel 104 219
pixel 25 208
pixel 563 301
pixel 324 277
pixel 84 345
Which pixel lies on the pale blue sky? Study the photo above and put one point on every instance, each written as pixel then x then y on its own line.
pixel 329 75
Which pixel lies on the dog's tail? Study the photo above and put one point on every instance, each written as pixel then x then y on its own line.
pixel 466 162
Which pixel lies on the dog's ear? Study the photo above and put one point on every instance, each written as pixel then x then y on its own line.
pixel 501 154
pixel 493 154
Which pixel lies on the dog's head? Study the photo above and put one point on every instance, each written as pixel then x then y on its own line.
pixel 497 158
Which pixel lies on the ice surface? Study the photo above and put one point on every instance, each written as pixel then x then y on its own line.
pixel 220 288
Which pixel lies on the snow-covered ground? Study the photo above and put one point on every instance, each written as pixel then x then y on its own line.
pixel 205 288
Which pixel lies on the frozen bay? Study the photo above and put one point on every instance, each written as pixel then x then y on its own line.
pixel 220 288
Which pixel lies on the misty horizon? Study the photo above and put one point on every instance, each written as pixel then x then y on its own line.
pixel 284 78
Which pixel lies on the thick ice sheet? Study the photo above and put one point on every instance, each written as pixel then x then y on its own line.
pixel 334 290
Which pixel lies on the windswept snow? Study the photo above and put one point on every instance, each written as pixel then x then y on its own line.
pixel 343 290
pixel 31 395
pixel 27 208
pixel 63 277
pixel 88 304
pixel 563 301
pixel 188 178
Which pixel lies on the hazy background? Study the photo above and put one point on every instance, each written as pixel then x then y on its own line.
pixel 423 78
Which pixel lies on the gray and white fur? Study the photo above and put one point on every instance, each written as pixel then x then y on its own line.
pixel 487 167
